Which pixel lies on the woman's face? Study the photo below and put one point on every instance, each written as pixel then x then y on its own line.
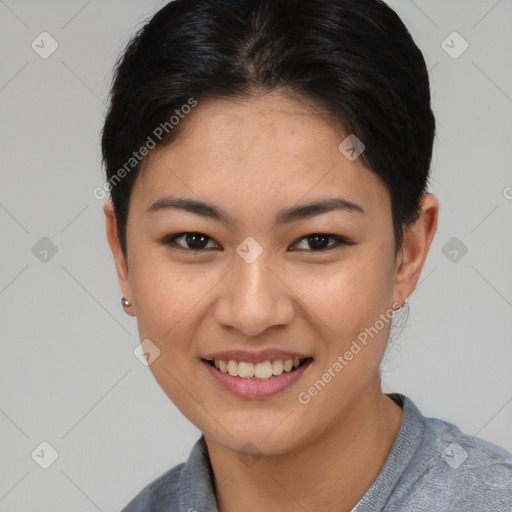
pixel 255 281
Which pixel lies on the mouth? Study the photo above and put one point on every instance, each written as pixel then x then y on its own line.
pixel 260 380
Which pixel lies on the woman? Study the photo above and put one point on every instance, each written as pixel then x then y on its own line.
pixel 268 166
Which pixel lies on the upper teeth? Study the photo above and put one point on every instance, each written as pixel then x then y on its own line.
pixel 262 370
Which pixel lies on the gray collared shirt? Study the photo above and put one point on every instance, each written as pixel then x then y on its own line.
pixel 432 467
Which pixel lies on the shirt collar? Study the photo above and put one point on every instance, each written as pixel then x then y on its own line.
pixel 197 490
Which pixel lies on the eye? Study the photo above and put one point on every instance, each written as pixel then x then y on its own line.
pixel 192 241
pixel 318 242
pixel 198 242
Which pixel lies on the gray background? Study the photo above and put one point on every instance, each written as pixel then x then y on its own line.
pixel 68 375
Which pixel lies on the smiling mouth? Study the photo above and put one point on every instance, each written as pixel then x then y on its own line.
pixel 259 371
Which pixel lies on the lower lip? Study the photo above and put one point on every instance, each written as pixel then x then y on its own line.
pixel 255 388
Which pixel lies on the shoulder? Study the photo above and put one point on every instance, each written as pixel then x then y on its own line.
pixel 459 472
pixel 162 494
pixel 470 458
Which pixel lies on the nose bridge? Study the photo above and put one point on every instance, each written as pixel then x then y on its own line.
pixel 254 299
pixel 255 281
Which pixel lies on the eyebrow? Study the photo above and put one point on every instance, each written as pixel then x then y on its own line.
pixel 283 217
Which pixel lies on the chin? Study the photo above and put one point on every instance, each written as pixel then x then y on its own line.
pixel 268 438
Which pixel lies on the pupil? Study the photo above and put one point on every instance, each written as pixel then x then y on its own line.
pixel 192 241
pixel 314 241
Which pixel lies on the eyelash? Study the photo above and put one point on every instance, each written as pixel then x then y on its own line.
pixel 169 241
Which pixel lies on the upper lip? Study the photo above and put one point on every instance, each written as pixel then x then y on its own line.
pixel 255 357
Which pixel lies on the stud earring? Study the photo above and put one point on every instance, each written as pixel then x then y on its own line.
pixel 125 302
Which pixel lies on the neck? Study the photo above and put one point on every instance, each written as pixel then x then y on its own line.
pixel 332 472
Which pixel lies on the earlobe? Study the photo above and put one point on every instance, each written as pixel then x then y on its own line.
pixel 416 244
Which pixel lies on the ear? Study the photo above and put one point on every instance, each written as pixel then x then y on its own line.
pixel 119 259
pixel 416 244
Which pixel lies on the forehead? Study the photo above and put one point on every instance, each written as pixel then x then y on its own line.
pixel 263 149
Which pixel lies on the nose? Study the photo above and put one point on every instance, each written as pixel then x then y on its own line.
pixel 254 297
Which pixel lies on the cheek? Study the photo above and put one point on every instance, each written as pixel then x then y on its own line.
pixel 348 296
pixel 170 298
